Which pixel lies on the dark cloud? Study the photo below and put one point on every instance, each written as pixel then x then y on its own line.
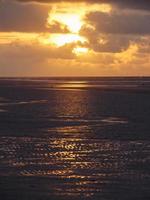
pixel 22 17
pixel 17 17
pixel 114 32
pixel 109 43
pixel 120 23
pixel 133 4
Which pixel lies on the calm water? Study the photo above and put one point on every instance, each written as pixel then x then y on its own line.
pixel 75 138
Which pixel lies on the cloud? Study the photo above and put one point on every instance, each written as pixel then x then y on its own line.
pixel 128 55
pixel 125 4
pixel 18 59
pixel 115 31
pixel 31 17
pixel 120 23
pixel 118 41
pixel 106 42
pixel 34 51
pixel 29 59
pixel 23 17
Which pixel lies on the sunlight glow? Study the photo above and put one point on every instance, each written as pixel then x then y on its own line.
pixel 62 39
pixel 72 21
pixel 71 16
pixel 128 55
pixel 16 37
pixel 80 50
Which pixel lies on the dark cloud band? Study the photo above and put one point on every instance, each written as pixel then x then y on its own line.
pixel 22 18
pixel 133 4
pixel 120 23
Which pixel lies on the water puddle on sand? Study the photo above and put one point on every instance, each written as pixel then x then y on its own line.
pixel 114 120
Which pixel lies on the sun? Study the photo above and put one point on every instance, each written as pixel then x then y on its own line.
pixel 72 17
pixel 72 21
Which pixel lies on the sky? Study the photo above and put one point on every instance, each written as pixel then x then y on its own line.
pixel 74 38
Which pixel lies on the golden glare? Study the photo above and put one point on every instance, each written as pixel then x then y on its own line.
pixel 62 39
pixel 72 21
pixel 80 50
pixel 14 37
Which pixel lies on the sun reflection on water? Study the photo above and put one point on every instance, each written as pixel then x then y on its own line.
pixel 69 104
pixel 72 167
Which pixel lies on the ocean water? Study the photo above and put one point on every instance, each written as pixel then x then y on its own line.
pixel 75 138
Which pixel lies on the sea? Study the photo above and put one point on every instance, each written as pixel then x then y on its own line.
pixel 75 138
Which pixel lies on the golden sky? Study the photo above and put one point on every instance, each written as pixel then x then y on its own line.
pixel 74 38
